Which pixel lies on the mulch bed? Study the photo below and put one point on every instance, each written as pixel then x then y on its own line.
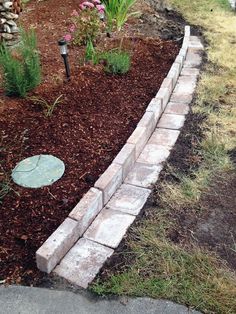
pixel 98 114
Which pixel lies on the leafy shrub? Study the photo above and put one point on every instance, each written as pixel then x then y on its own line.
pixel 86 23
pixel 118 12
pixel 21 69
pixel 117 62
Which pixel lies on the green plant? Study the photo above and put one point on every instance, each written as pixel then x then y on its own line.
pixel 90 51
pixel 21 69
pixel 48 107
pixel 117 62
pixel 118 12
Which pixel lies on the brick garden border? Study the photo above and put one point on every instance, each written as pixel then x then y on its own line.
pixel 90 206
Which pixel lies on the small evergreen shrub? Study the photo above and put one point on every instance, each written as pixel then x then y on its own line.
pixel 21 70
pixel 117 62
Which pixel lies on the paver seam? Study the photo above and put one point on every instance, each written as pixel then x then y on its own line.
pixel 158 105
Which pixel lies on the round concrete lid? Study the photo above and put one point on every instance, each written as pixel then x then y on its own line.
pixel 38 171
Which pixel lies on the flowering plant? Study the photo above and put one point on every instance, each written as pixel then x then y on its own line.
pixel 86 22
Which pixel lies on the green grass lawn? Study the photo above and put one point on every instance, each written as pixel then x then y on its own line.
pixel 156 267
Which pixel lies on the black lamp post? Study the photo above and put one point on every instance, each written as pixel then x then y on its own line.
pixel 64 53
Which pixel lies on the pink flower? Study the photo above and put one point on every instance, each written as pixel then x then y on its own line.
pixel 87 4
pixel 100 7
pixel 96 1
pixel 72 28
pixel 67 37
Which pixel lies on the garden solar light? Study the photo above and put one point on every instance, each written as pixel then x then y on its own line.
pixel 64 53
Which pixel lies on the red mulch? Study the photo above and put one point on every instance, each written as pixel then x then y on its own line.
pixel 98 114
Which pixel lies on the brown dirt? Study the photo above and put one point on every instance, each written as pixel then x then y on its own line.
pixel 98 114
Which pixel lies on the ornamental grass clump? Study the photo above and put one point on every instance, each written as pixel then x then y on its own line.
pixel 21 69
pixel 117 12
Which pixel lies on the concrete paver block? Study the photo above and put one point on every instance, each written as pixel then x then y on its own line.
pixel 154 154
pixel 139 138
pixel 174 72
pixel 87 209
pixel 143 175
pixel 177 108
pixel 155 106
pixel 164 95
pixel 109 227
pixel 193 58
pixel 109 181
pixel 190 71
pixel 180 98
pixel 185 85
pixel 126 158
pixel 171 121
pixel 129 199
pixel 148 122
pixel 164 137
pixel 82 263
pixel 57 245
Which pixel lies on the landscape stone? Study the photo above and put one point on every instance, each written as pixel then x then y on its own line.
pixel 109 227
pixel 109 181
pixel 171 121
pixel 139 138
pixel 155 106
pixel 164 137
pixel 154 154
pixel 148 122
pixel 177 108
pixel 143 175
pixel 57 245
pixel 83 262
pixel 126 158
pixel 87 209
pixel 129 199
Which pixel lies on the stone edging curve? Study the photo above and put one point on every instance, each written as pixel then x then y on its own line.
pixel 118 178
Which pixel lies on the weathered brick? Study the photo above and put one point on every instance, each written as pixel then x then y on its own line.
pixel 187 30
pixel 183 52
pixel 109 227
pixel 153 154
pixel 82 263
pixel 155 106
pixel 109 181
pixel 126 158
pixel 185 85
pixel 193 58
pixel 129 199
pixel 171 121
pixel 139 138
pixel 87 209
pixel 177 108
pixel 180 59
pixel 181 98
pixel 143 175
pixel 168 83
pixel 190 71
pixel 57 245
pixel 174 72
pixel 164 137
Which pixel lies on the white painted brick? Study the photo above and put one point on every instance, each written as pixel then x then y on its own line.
pixel 83 262
pixel 139 138
pixel 109 227
pixel 171 121
pixel 177 108
pixel 164 137
pixel 143 175
pixel 57 245
pixel 109 181
pixel 155 106
pixel 154 154
pixel 148 122
pixel 129 199
pixel 126 158
pixel 87 209
pixel 164 95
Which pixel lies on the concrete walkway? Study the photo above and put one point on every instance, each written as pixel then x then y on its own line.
pixel 26 300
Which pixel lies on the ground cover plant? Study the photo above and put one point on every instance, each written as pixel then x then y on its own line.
pixel 183 246
pixel 99 112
